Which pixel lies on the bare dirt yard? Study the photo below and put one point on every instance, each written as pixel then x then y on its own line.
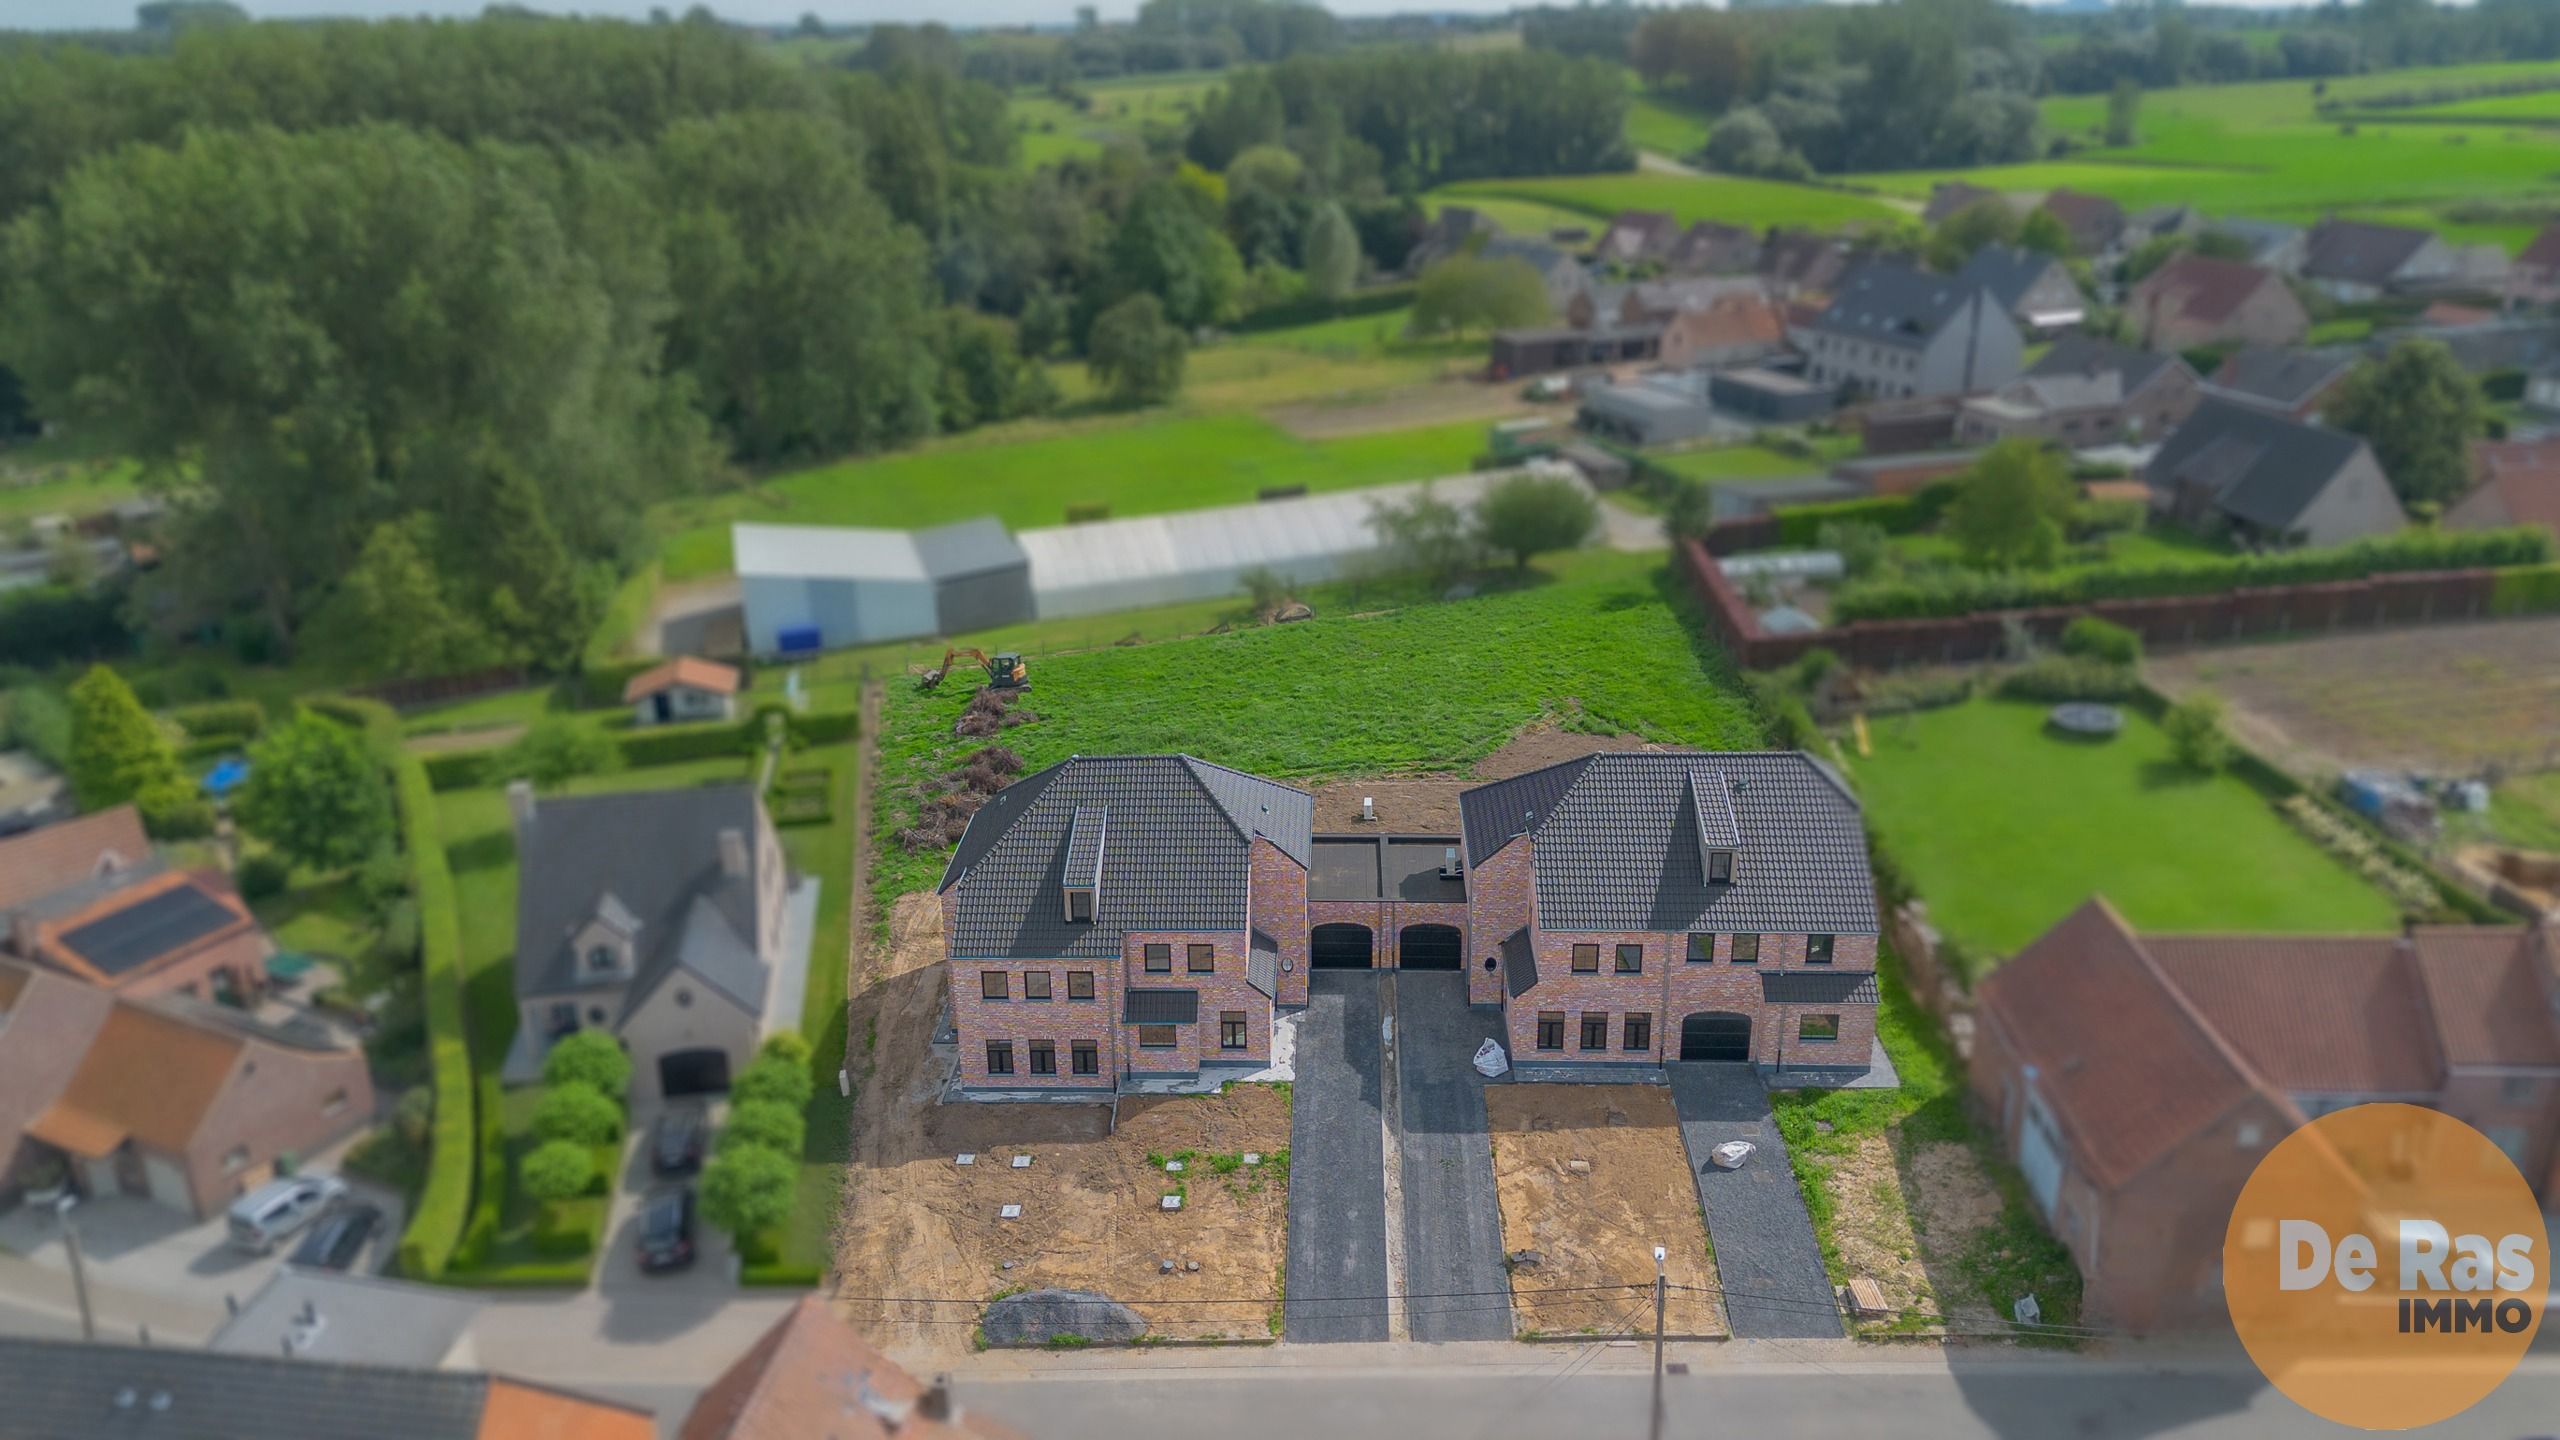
pixel 918 1224
pixel 1904 1222
pixel 2446 698
pixel 1592 1177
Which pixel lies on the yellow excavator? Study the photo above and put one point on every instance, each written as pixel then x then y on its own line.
pixel 1004 672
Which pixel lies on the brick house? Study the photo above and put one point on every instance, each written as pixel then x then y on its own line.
pixel 2198 300
pixel 91 898
pixel 2270 481
pixel 1126 918
pixel 2138 1079
pixel 682 689
pixel 2094 222
pixel 1630 908
pixel 2518 484
pixel 2085 391
pixel 813 1377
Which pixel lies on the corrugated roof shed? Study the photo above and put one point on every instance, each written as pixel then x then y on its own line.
pixel 826 552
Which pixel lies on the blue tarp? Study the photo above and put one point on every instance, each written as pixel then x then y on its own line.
pixel 226 776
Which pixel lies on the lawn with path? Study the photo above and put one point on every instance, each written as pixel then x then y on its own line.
pixel 1732 199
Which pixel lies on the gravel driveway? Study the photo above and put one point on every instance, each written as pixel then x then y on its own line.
pixel 1337 1167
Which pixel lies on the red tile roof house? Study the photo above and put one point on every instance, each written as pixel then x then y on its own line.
pixel 682 689
pixel 813 1377
pixel 89 897
pixel 2198 300
pixel 2094 222
pixel 2138 1079
pixel 1636 236
pixel 2519 484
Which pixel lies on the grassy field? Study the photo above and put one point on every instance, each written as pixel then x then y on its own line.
pixel 1602 646
pixel 1051 130
pixel 1666 127
pixel 2005 828
pixel 73 488
pixel 1754 462
pixel 1728 198
pixel 1140 467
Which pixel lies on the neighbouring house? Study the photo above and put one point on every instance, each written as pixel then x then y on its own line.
pixel 1561 273
pixel 810 587
pixel 2095 223
pixel 2516 482
pixel 813 1377
pixel 1893 331
pixel 1711 248
pixel 1898 427
pixel 1661 408
pixel 2083 392
pixel 2270 480
pixel 1627 909
pixel 2035 288
pixel 2482 343
pixel 2352 261
pixel 2193 301
pixel 1802 262
pixel 2161 222
pixel 1948 198
pixel 1450 233
pixel 186 1103
pixel 96 1391
pixel 1123 919
pixel 668 918
pixel 91 898
pixel 66 853
pixel 2292 383
pixel 1547 348
pixel 2535 275
pixel 2137 1080
pixel 1654 302
pixel 1636 236
pixel 1770 396
pixel 682 689
pixel 1903 472
pixel 1740 327
pixel 2271 244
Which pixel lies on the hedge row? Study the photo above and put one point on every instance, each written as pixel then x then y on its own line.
pixel 435 1227
pixel 2525 590
pixel 229 720
pixel 1800 526
pixel 1962 592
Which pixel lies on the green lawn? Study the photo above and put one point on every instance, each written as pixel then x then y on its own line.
pixel 2004 828
pixel 1742 462
pixel 1728 198
pixel 1163 462
pixel 74 489
pixel 1666 127
pixel 1608 647
pixel 2525 811
pixel 1534 218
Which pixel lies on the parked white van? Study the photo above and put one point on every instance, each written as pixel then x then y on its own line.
pixel 266 1215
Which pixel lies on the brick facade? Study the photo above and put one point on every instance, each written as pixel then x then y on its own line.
pixel 1386 921
pixel 1502 896
pixel 1671 987
pixel 1020 1020
pixel 1279 909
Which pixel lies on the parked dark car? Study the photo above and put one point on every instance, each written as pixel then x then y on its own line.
pixel 338 1239
pixel 666 1230
pixel 675 1143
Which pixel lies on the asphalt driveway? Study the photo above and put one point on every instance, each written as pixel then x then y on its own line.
pixel 1452 1219
pixel 1766 1257
pixel 1337 1275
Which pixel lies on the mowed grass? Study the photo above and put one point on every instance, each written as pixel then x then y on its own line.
pixel 1728 198
pixel 1141 467
pixel 75 489
pixel 1666 127
pixel 1532 218
pixel 1742 462
pixel 2005 828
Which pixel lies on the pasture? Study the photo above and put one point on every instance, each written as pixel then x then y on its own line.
pixel 1729 198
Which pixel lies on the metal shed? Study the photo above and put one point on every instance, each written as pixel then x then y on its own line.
pixel 849 586
pixel 981 578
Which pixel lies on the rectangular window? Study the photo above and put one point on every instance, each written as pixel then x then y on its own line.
pixel 1746 949
pixel 1080 905
pixel 1719 867
pixel 1639 1032
pixel 999 1057
pixel 1630 959
pixel 1231 1030
pixel 1586 959
pixel 1818 1027
pixel 1595 1030
pixel 1701 948
pixel 992 985
pixel 1155 1037
pixel 1159 959
pixel 1044 1057
pixel 1084 1057
pixel 1817 949
pixel 1035 984
pixel 2518 1089
pixel 336 1105
pixel 1550 1029
pixel 1204 960
pixel 1079 984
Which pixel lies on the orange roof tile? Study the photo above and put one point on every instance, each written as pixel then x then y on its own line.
pixel 67 1128
pixel 2339 1013
pixel 813 1377
pixel 57 857
pixel 52 937
pixel 517 1411
pixel 708 675
pixel 2519 485
pixel 148 1075
pixel 2489 1005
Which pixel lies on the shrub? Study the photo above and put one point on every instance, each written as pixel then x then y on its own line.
pixel 747 1188
pixel 582 1114
pixel 2194 726
pixel 591 1058
pixel 262 876
pixel 460 770
pixel 557 749
pixel 774 1126
pixel 556 1170
pixel 2059 678
pixel 773 1078
pixel 1859 543
pixel 435 1226
pixel 2096 639
pixel 172 810
pixel 221 719
pixel 787 1046
pixel 2526 590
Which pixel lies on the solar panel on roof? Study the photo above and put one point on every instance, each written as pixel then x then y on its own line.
pixel 138 933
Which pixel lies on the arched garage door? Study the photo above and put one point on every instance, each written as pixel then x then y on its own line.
pixel 693 1072
pixel 1715 1035
pixel 1341 947
pixel 1428 947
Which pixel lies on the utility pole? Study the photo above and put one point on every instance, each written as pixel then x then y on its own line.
pixel 79 1275
pixel 1661 1299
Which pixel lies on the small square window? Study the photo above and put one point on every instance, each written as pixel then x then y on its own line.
pixel 1231 1030
pixel 1156 1037
pixel 1203 960
pixel 1595 1031
pixel 1079 984
pixel 992 985
pixel 1638 1033
pixel 1035 984
pixel 1159 959
pixel 1084 1057
pixel 1044 1057
pixel 1631 959
pixel 1746 949
pixel 1701 948
pixel 999 1057
pixel 1817 949
pixel 1550 1029
pixel 1586 959
pixel 1719 867
pixel 1080 905
pixel 1818 1027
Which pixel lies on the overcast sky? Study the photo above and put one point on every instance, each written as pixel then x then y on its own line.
pixel 116 14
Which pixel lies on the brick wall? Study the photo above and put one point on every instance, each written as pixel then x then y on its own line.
pixel 1501 897
pixel 277 1102
pixel 1057 1019
pixel 1278 905
pixel 1386 920
pixel 1671 987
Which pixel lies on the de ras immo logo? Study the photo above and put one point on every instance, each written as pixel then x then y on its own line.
pixel 2386 1266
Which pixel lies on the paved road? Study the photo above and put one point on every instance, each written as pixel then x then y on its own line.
pixel 1766 1257
pixel 1452 1220
pixel 1337 1277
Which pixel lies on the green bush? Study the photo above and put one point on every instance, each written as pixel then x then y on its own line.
pixel 578 1113
pixel 435 1225
pixel 221 719
pixel 789 1047
pixel 833 728
pixel 2059 678
pixel 677 744
pixel 773 1078
pixel 558 1169
pixel 262 876
pixel 2526 590
pixel 1800 526
pixel 592 1058
pixel 2108 517
pixel 774 1126
pixel 567 1229
pixel 2194 726
pixel 747 1188
pixel 2094 639
pixel 459 770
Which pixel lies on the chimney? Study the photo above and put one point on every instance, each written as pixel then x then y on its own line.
pixel 733 853
pixel 520 803
pixel 935 1402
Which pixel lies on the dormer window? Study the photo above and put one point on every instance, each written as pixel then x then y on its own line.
pixel 1719 867
pixel 1080 879
pixel 1719 834
pixel 1080 906
pixel 602 958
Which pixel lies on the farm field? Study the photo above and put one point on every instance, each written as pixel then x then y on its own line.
pixel 1533 218
pixel 1052 130
pixel 2004 828
pixel 1666 127
pixel 1729 198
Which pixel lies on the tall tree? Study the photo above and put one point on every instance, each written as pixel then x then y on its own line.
pixel 1135 354
pixel 316 794
pixel 117 753
pixel 2420 411
pixel 1469 292
pixel 1528 515
pixel 1168 246
pixel 1333 253
pixel 393 614
pixel 2009 513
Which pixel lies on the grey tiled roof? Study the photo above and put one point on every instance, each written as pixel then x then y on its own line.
pixel 2076 352
pixel 55 1390
pixel 2258 466
pixel 1818 987
pixel 1616 844
pixel 654 854
pixel 1085 834
pixel 1162 1007
pixel 1178 857
pixel 1890 303
pixel 1712 797
pixel 2354 250
pixel 2279 376
pixel 2007 271
pixel 1262 967
pixel 1519 963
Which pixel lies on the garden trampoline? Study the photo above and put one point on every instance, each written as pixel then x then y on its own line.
pixel 2081 717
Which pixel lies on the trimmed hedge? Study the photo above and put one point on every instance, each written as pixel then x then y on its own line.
pixel 224 720
pixel 1800 525
pixel 457 769
pixel 2526 590
pixel 1962 592
pixel 435 1226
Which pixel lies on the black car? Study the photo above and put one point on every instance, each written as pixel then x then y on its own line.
pixel 666 1230
pixel 338 1239
pixel 675 1143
